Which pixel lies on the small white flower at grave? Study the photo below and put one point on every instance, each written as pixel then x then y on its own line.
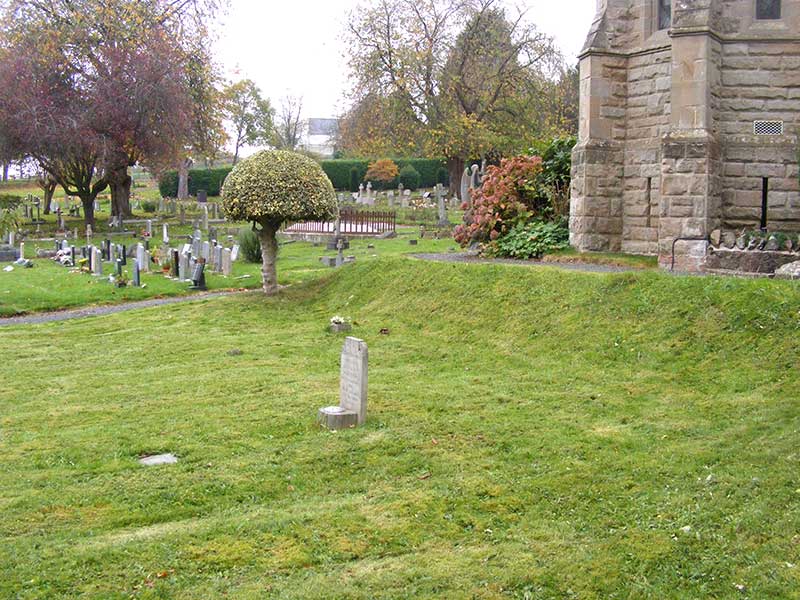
pixel 340 324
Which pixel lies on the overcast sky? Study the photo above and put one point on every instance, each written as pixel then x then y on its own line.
pixel 296 47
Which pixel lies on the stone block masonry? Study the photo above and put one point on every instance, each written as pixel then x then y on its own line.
pixel 667 149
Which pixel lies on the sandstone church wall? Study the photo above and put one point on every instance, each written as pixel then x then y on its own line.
pixel 667 150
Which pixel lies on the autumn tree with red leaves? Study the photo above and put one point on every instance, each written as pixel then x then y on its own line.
pixel 91 87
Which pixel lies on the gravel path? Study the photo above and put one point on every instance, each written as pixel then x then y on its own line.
pixel 97 311
pixel 471 258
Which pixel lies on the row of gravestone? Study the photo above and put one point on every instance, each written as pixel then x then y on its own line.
pixel 183 263
pixel 439 193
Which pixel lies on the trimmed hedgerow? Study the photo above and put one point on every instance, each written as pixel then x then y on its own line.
pixel 338 171
pixel 355 179
pixel 209 180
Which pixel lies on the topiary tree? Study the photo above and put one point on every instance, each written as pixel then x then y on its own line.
pixel 271 188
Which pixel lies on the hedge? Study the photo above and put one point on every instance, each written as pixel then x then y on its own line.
pixel 209 180
pixel 338 171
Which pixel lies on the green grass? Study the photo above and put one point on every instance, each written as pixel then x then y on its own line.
pixel 49 286
pixel 633 261
pixel 531 434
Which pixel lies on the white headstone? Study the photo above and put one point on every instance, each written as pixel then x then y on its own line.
pixel 235 253
pixel 206 250
pixel 227 267
pixel 183 266
pixel 97 261
pixel 165 233
pixel 353 386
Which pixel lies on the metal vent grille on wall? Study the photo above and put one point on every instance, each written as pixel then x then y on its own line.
pixel 768 127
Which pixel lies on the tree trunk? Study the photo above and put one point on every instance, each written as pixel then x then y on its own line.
pixel 88 210
pixel 5 171
pixel 455 167
pixel 269 256
pixel 120 183
pixel 183 179
pixel 48 187
pixel 49 190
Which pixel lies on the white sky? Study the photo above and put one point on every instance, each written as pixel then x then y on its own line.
pixel 296 47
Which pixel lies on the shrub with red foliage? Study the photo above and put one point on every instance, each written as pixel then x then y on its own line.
pixel 506 197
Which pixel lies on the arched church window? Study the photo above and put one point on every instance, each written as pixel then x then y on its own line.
pixel 768 9
pixel 664 14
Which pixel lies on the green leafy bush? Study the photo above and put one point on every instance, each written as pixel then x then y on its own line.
pixel 355 179
pixel 250 246
pixel 553 182
pixel 149 206
pixel 532 240
pixel 8 213
pixel 409 177
pixel 168 184
pixel 428 169
pixel 443 177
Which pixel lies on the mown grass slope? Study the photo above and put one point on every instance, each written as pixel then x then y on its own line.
pixel 532 434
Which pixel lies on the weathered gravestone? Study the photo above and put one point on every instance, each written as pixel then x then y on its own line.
pixel 97 262
pixel 227 267
pixel 352 409
pixel 199 276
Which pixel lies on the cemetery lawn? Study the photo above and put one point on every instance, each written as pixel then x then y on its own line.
pixel 532 433
pixel 49 286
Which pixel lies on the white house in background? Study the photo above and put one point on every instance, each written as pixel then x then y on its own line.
pixel 320 136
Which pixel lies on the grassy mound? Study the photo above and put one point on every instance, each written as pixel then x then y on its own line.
pixel 531 434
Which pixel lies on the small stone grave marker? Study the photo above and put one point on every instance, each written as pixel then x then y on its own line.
pixel 159 459
pixel 352 409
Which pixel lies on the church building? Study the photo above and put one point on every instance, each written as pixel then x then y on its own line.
pixel 689 124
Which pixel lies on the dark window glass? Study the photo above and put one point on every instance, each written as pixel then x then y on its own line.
pixel 768 9
pixel 664 14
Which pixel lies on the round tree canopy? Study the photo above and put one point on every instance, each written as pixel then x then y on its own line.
pixel 274 186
